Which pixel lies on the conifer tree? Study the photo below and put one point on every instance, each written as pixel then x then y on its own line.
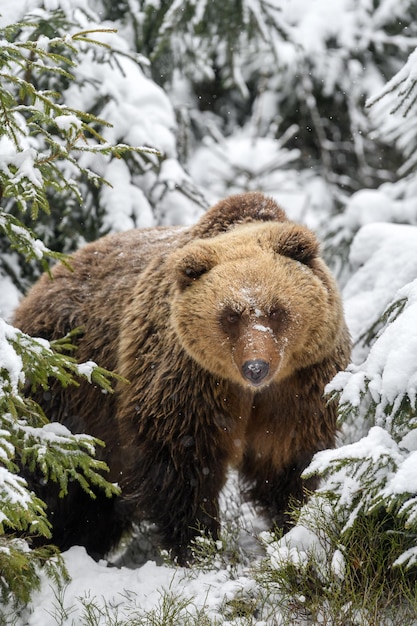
pixel 42 139
pixel 291 75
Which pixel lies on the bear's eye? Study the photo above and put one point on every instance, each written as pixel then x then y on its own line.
pixel 232 317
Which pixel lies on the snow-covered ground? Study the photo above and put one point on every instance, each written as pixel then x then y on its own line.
pixel 143 591
pixel 132 593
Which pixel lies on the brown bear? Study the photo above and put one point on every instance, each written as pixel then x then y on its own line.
pixel 228 332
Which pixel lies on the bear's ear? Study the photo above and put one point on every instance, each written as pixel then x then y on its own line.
pixel 244 208
pixel 298 243
pixel 193 265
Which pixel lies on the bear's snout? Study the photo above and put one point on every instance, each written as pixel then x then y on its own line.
pixel 255 371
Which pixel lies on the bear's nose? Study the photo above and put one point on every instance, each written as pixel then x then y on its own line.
pixel 255 370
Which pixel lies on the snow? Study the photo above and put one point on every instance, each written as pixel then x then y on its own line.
pixel 10 361
pixel 390 364
pixel 262 328
pixel 338 564
pixel 86 369
pixel 241 162
pixel 375 445
pixel 406 78
pixel 132 593
pixel 68 121
pixel 24 161
pixel 12 490
pixel 127 90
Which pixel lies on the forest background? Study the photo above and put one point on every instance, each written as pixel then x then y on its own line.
pixel 133 113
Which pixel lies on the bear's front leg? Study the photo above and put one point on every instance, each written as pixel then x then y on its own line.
pixel 289 423
pixel 274 488
pixel 195 514
pixel 177 492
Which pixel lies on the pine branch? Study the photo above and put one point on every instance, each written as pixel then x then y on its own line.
pixel 403 85
pixel 27 174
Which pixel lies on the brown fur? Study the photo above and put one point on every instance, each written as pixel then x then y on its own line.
pixel 179 312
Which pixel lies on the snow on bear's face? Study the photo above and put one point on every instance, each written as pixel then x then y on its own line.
pixel 255 304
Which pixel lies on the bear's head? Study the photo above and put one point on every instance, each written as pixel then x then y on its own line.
pixel 255 304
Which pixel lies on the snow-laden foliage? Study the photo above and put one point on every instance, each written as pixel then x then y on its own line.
pixel 71 136
pixel 40 137
pixel 378 391
pixel 28 441
pixel 297 72
pixel 381 300
pixel 293 75
pixel 399 96
pixel 394 113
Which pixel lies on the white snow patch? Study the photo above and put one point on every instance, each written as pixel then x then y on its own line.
pixel 86 369
pixel 263 329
